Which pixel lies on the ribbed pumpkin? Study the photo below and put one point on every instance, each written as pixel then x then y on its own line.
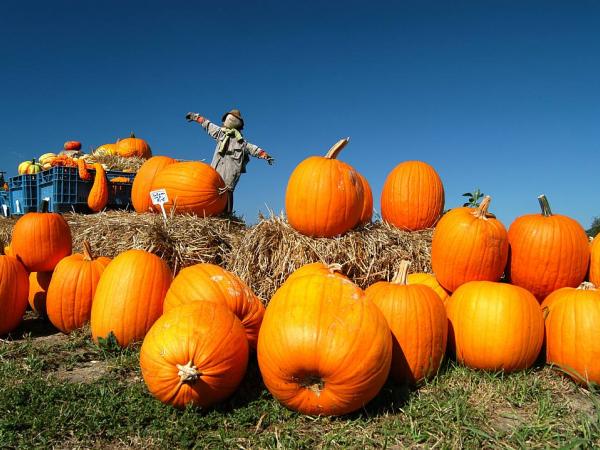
pixel 468 244
pixel 71 291
pixel 41 240
pixel 72 145
pixel 572 320
pixel 366 213
pixel 428 279
pixel 547 252
pixel 140 190
pixel 38 289
pixel 29 168
pixel 323 348
pixel 129 296
pixel 208 282
pixel 324 196
pixel 413 196
pixel 193 187
pixel 14 287
pixel 495 326
pixel 106 150
pixel 133 146
pixel 419 325
pixel 98 196
pixel 194 354
pixel 595 261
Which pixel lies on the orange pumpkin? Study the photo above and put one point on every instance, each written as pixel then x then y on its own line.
pixel 429 279
pixel 140 190
pixel 14 287
pixel 72 145
pixel 419 325
pixel 323 348
pixel 194 354
pixel 98 196
pixel 208 282
pixel 572 320
pixel 547 252
pixel 367 206
pixel 106 150
pixel 71 291
pixel 41 240
pixel 468 244
pixel 324 196
pixel 413 196
pixel 595 261
pixel 129 296
pixel 495 326
pixel 192 187
pixel 133 146
pixel 38 289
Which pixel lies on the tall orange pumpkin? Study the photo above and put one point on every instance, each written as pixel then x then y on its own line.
pixel 429 279
pixel 572 320
pixel 71 291
pixel 14 287
pixel 208 282
pixel 323 348
pixel 192 187
pixel 133 146
pixel 324 196
pixel 38 288
pixel 41 240
pixel 194 354
pixel 495 326
pixel 413 196
pixel 419 325
pixel 140 190
pixel 595 261
pixel 129 296
pixel 468 244
pixel 98 196
pixel 367 205
pixel 547 252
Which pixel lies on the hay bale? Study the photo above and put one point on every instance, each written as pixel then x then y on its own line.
pixel 6 226
pixel 268 252
pixel 118 163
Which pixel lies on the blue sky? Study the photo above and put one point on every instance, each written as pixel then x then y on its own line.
pixel 504 96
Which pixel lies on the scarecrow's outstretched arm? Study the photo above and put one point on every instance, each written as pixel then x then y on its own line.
pixel 259 153
pixel 211 128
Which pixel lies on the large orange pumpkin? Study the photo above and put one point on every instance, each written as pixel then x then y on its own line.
pixel 208 282
pixel 41 240
pixel 71 291
pixel 14 287
pixel 192 187
pixel 468 244
pixel 323 348
pixel 429 279
pixel 38 288
pixel 595 261
pixel 547 252
pixel 367 205
pixel 324 196
pixel 194 354
pixel 495 326
pixel 133 146
pixel 413 196
pixel 419 326
pixel 140 190
pixel 98 196
pixel 129 296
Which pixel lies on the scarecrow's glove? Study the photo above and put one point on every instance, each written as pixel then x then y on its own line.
pixel 195 117
pixel 264 155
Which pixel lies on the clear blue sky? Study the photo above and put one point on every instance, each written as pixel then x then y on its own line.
pixel 499 95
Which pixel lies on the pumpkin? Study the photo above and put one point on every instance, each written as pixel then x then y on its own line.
pixel 192 187
pixel 71 291
pixel 547 252
pixel 98 196
pixel 105 150
pixel 468 244
pixel 419 325
pixel 595 261
pixel 367 205
pixel 140 189
pixel 208 282
pixel 83 170
pixel 72 145
pixel 412 197
pixel 572 321
pixel 29 168
pixel 324 196
pixel 133 146
pixel 38 289
pixel 41 239
pixel 428 279
pixel 63 161
pixel 120 180
pixel 195 354
pixel 495 326
pixel 46 158
pixel 323 348
pixel 129 296
pixel 14 287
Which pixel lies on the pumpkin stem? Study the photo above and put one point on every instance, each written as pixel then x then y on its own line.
pixel 546 211
pixel 333 268
pixel 45 205
pixel 313 383
pixel 87 251
pixel 482 211
pixel 401 277
pixel 587 286
pixel 132 135
pixel 337 148
pixel 188 373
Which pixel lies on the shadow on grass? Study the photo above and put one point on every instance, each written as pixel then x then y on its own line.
pixel 33 326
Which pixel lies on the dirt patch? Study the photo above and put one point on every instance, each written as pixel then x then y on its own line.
pixel 505 419
pixel 85 373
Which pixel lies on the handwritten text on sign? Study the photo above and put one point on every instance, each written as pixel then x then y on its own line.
pixel 159 196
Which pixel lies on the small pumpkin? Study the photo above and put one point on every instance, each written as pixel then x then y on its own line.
pixel 29 168
pixel 105 150
pixel 46 158
pixel 595 261
pixel 98 196
pixel 429 279
pixel 38 289
pixel 133 146
pixel 142 183
pixel 14 287
pixel 72 145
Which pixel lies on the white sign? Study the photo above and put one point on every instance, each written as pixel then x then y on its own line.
pixel 17 207
pixel 5 210
pixel 160 197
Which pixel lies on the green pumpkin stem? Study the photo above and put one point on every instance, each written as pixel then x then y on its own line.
pixel 546 211
pixel 337 148
pixel 401 276
pixel 132 135
pixel 87 251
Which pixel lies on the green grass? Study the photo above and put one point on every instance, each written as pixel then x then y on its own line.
pixel 65 391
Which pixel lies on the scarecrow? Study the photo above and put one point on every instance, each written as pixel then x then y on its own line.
pixel 232 153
